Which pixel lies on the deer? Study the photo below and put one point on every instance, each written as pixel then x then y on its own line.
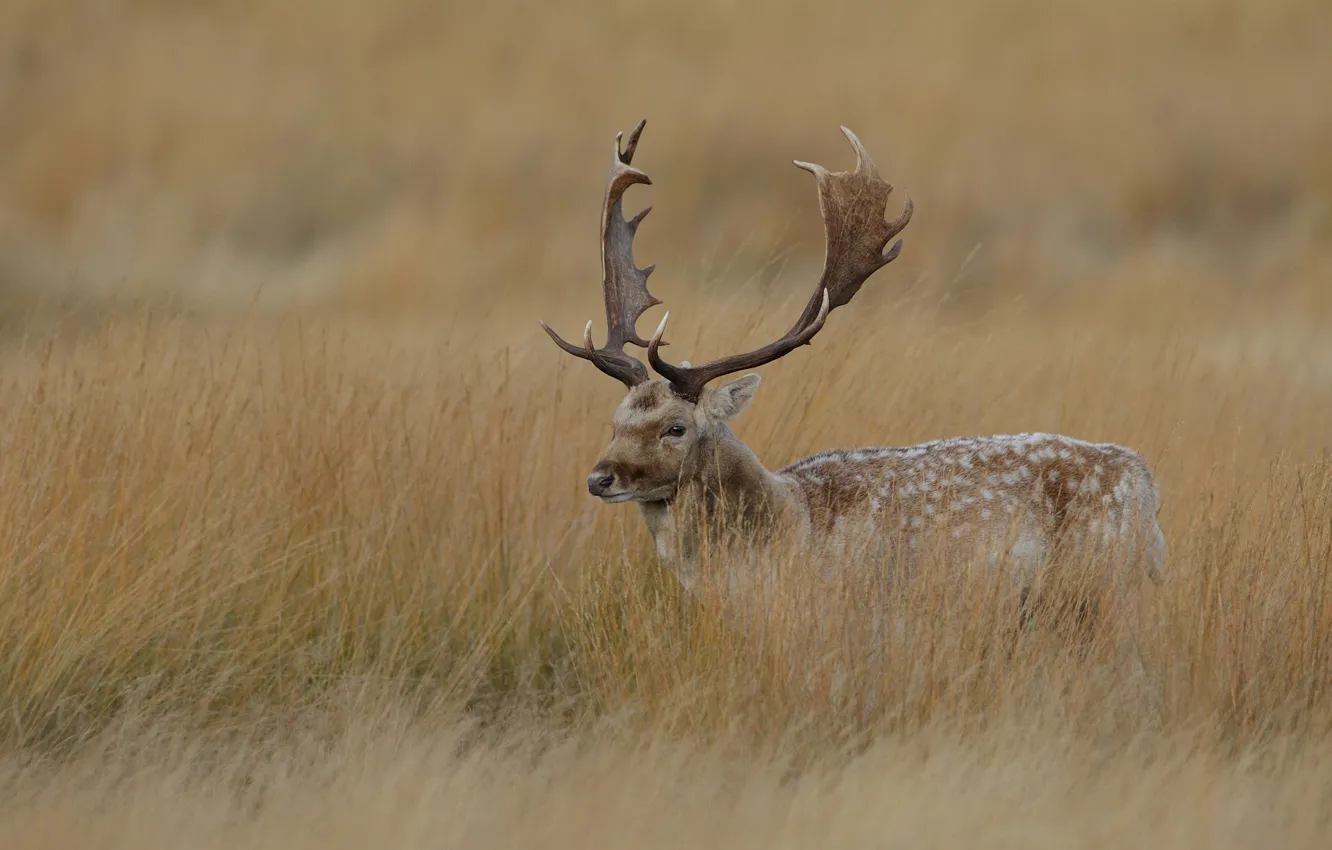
pixel 1013 498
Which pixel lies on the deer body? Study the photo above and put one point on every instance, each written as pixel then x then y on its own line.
pixel 1009 496
pixel 998 500
pixel 1008 499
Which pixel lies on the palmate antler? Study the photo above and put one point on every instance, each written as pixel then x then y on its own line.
pixel 853 204
pixel 623 284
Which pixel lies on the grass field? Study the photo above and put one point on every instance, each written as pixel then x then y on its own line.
pixel 295 548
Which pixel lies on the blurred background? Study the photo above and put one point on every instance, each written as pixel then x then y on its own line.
pixel 438 158
pixel 348 458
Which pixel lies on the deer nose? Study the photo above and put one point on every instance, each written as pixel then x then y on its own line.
pixel 599 482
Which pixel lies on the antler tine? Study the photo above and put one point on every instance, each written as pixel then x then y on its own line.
pixel 864 163
pixel 624 285
pixel 627 155
pixel 853 204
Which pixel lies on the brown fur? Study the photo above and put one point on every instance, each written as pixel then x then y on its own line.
pixel 1009 499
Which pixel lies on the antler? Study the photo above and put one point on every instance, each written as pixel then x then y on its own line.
pixel 853 204
pixel 623 284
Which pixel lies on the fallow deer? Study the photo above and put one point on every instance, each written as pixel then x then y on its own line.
pixel 671 452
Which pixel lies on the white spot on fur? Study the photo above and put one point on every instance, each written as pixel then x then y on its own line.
pixel 1123 488
pixel 1028 550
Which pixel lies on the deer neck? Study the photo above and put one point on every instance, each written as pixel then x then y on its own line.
pixel 726 491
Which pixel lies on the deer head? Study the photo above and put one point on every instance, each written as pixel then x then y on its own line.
pixel 663 432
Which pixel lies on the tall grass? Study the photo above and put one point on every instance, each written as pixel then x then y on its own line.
pixel 259 539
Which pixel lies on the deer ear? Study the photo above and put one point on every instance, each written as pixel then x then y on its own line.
pixel 730 400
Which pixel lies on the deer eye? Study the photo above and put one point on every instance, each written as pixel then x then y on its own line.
pixel 674 431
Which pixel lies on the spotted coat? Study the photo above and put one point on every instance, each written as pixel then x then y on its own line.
pixel 1014 495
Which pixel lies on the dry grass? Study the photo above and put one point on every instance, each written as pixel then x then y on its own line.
pixel 267 573
pixel 316 567
pixel 404 153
